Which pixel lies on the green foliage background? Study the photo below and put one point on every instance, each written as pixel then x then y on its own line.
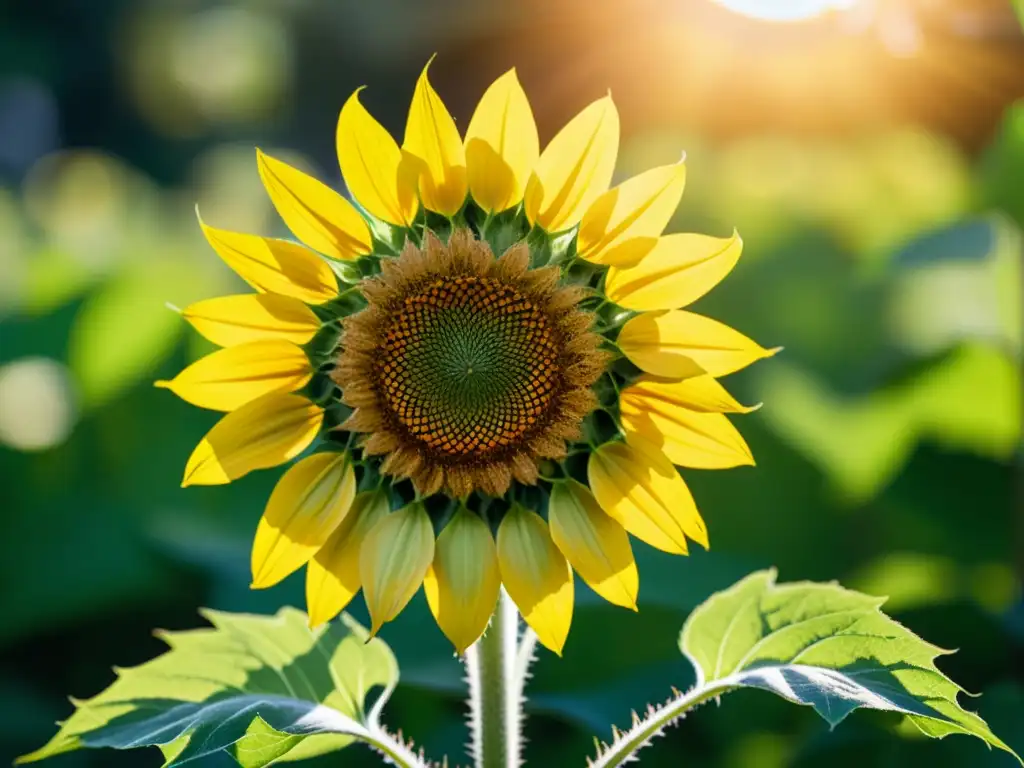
pixel 885 256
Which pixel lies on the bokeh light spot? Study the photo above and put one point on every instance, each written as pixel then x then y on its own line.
pixel 784 10
pixel 37 409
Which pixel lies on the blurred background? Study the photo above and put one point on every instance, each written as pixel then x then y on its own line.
pixel 869 151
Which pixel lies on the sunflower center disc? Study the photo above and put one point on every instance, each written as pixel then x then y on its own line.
pixel 468 365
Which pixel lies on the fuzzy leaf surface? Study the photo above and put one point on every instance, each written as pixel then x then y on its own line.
pixel 826 647
pixel 256 689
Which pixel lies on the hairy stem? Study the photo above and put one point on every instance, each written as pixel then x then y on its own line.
pixel 495 691
pixel 627 743
pixel 393 749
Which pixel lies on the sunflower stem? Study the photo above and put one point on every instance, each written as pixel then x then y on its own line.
pixel 497 670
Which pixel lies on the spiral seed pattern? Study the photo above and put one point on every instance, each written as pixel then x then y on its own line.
pixel 468 366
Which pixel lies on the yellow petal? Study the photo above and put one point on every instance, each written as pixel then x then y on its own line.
pixel 268 431
pixel 315 213
pixel 646 495
pixel 502 146
pixel 373 167
pixel 639 207
pixel 308 503
pixel 231 320
pixel 462 583
pixel 536 575
pixel 433 143
pixel 678 270
pixel 231 377
pixel 393 560
pixel 672 344
pixel 332 576
pixel 686 437
pixel 275 266
pixel 699 393
pixel 574 169
pixel 595 545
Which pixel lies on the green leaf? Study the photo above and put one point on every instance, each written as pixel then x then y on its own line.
pixel 826 647
pixel 256 688
pixel 968 400
pixel 125 329
pixel 860 443
pixel 962 282
pixel 814 644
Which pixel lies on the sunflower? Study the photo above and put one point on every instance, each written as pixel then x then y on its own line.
pixel 486 352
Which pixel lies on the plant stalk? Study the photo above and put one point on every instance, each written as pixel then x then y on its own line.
pixel 626 744
pixel 495 690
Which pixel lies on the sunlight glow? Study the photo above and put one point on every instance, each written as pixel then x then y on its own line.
pixel 784 10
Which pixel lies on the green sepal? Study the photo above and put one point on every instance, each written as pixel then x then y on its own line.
pixel 440 225
pixel 500 230
pixel 388 239
pixel 540 246
pixel 321 348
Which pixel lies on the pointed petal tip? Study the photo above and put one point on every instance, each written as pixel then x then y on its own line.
pixel 354 96
pixel 260 581
pixel 317 616
pixel 162 384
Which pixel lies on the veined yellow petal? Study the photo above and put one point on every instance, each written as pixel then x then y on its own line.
pixel 229 378
pixel 275 266
pixel 687 438
pixel 332 576
pixel 678 270
pixel 433 143
pixel 268 431
pixel 700 393
pixel 574 169
pixel 315 213
pixel 594 544
pixel 393 560
pixel 372 165
pixel 536 575
pixel 645 494
pixel 231 320
pixel 673 343
pixel 639 207
pixel 462 583
pixel 308 503
pixel 502 145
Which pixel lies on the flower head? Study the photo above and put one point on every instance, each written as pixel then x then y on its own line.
pixel 481 369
